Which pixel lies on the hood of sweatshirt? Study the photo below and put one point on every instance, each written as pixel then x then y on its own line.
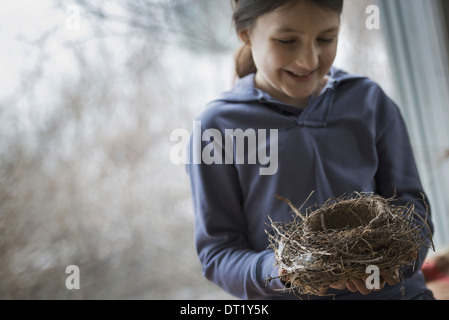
pixel 244 91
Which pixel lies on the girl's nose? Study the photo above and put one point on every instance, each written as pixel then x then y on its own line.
pixel 307 59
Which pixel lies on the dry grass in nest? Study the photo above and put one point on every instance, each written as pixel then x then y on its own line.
pixel 340 239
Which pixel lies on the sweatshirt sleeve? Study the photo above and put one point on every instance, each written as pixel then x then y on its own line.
pixel 220 234
pixel 398 176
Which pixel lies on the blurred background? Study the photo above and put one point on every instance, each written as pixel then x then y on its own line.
pixel 90 91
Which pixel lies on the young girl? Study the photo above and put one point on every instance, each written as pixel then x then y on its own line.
pixel 330 132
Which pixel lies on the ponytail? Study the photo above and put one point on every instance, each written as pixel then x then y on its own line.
pixel 244 63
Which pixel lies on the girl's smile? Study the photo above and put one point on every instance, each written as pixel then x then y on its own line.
pixel 301 77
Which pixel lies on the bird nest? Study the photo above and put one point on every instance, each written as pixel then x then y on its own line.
pixel 340 239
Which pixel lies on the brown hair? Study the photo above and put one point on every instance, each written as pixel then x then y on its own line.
pixel 246 13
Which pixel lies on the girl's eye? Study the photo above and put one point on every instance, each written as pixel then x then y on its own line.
pixel 326 40
pixel 292 41
pixel 285 42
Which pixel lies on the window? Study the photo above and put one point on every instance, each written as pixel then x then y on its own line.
pixel 407 56
pixel 416 37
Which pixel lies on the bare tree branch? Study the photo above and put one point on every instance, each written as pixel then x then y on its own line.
pixel 193 24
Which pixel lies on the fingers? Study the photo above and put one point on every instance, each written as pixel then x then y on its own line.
pixel 390 277
pixel 386 276
pixel 338 285
pixel 322 291
pixel 355 285
pixel 381 285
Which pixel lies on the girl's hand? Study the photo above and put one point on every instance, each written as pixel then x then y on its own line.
pixel 355 285
pixel 359 285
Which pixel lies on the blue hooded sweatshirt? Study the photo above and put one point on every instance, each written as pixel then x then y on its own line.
pixel 249 147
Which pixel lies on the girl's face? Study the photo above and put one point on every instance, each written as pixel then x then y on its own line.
pixel 293 49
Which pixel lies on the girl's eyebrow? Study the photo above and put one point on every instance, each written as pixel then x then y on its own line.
pixel 288 29
pixel 336 28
